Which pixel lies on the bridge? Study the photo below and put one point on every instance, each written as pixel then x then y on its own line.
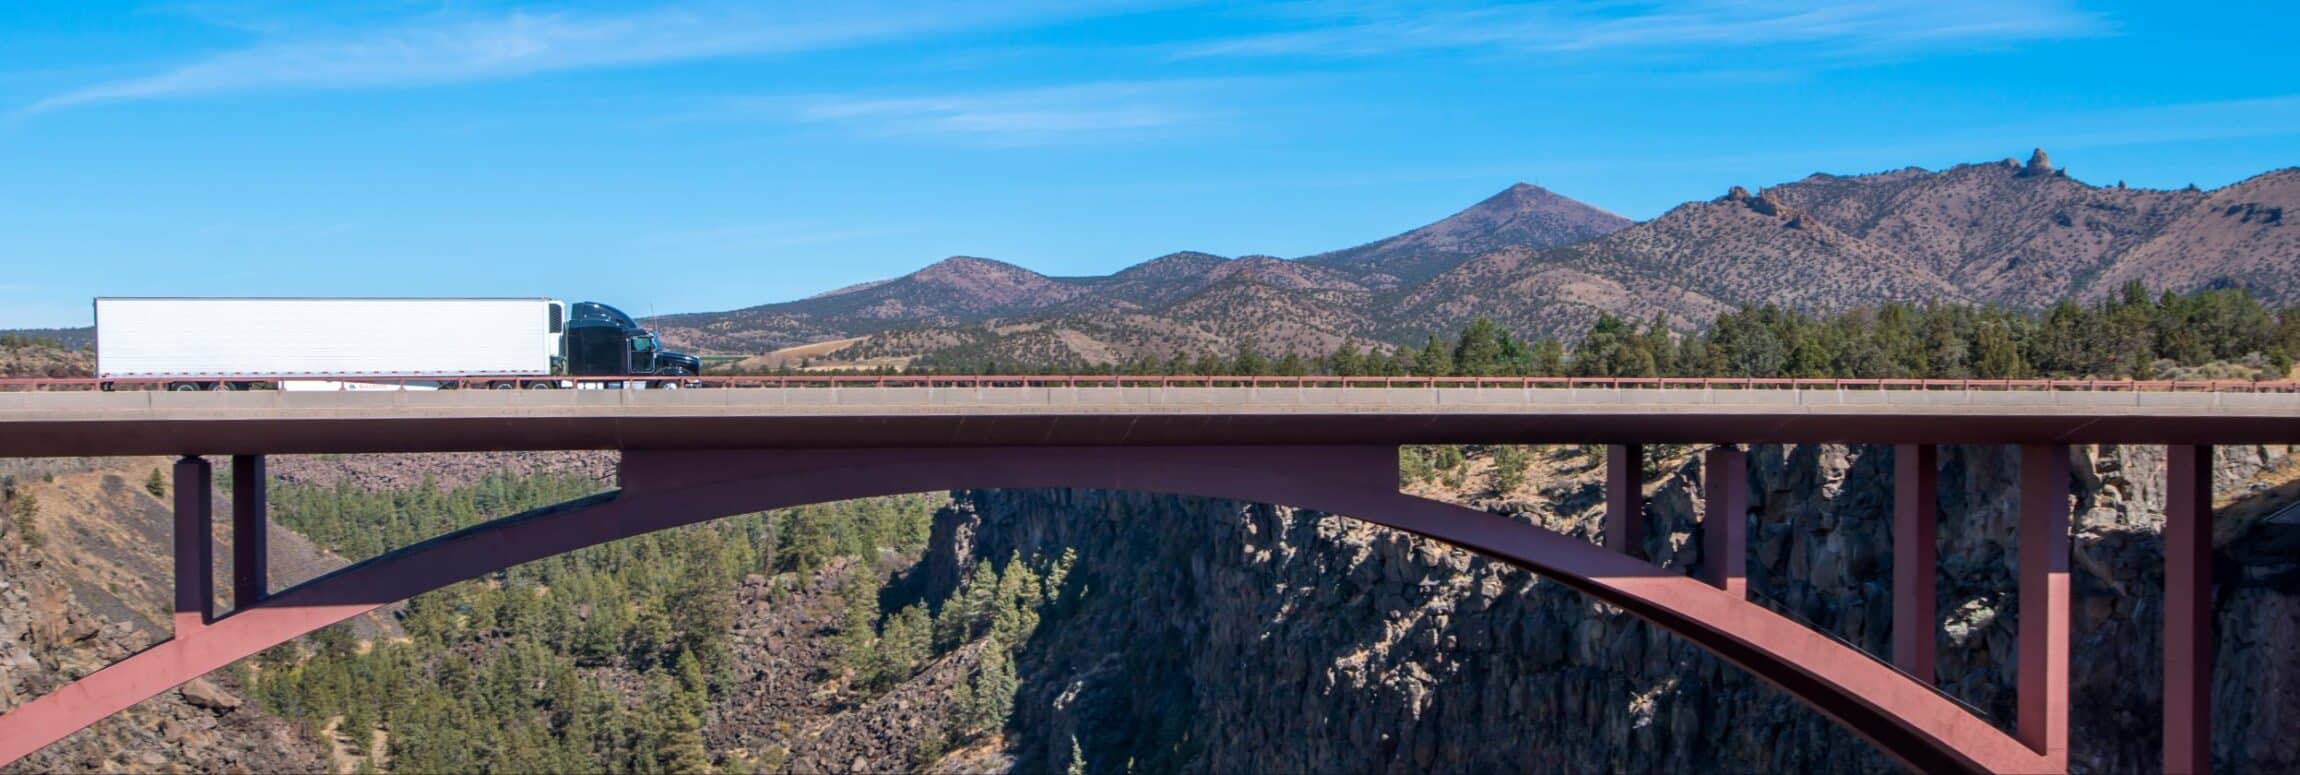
pixel 1322 443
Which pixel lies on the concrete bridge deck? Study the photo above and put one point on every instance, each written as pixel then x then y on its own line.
pixel 49 423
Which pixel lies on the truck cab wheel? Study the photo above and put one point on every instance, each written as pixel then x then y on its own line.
pixel 541 385
pixel 678 379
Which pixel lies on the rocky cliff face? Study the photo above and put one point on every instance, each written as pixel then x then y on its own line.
pixel 790 711
pixel 1220 636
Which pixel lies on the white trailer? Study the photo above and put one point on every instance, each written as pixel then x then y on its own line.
pixel 222 341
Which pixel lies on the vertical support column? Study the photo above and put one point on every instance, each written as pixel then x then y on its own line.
pixel 1625 498
pixel 2043 535
pixel 195 546
pixel 1725 519
pixel 251 548
pixel 2188 643
pixel 1916 559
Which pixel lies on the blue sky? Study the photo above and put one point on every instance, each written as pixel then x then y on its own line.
pixel 683 157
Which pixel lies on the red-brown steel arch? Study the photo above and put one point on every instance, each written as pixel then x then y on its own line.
pixel 1904 718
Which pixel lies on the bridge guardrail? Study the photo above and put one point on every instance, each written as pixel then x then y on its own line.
pixel 805 381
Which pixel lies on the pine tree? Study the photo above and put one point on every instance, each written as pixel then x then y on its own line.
pixel 1481 349
pixel 689 672
pixel 1414 464
pixel 1996 355
pixel 1434 360
pixel 26 512
pixel 675 716
pixel 931 745
pixel 856 643
pixel 1346 360
pixel 1547 358
pixel 1058 576
pixel 989 700
pixel 906 643
pixel 1509 465
pixel 1247 360
pixel 358 724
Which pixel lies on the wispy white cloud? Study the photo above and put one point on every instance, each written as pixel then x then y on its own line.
pixel 1595 26
pixel 464 47
pixel 1019 117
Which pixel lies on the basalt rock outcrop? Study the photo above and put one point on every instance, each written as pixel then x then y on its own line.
pixel 1227 637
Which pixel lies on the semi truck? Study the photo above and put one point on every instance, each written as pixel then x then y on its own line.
pixel 379 343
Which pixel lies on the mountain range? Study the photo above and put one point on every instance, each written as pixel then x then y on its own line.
pixel 2012 233
pixel 1180 301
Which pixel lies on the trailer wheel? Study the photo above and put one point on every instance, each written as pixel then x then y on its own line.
pixel 186 387
pixel 540 385
pixel 505 386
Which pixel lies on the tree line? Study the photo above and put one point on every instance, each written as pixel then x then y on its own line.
pixel 2222 334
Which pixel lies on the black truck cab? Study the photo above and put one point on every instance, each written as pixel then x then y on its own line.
pixel 601 341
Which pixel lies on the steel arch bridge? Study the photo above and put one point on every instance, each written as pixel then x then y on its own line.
pixel 1348 467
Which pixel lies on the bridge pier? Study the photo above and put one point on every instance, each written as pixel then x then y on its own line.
pixel 2041 675
pixel 2188 618
pixel 251 547
pixel 1916 560
pixel 1725 519
pixel 1625 499
pixel 195 546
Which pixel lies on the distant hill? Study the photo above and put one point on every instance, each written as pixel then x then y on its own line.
pixel 953 291
pixel 81 338
pixel 1521 216
pixel 1186 300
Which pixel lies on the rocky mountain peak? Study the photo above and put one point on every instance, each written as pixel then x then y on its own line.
pixel 958 267
pixel 1185 256
pixel 1518 200
pixel 1522 215
pixel 2039 165
pixel 1767 202
pixel 966 282
pixel 1172 266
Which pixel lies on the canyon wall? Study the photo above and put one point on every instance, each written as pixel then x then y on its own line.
pixel 1218 636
